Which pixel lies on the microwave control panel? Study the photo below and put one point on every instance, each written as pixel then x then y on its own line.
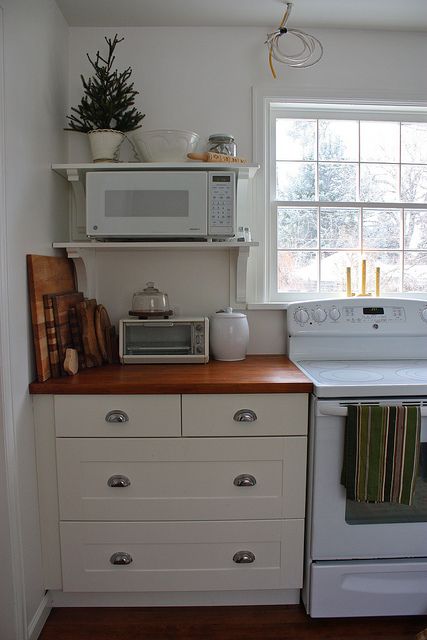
pixel 221 203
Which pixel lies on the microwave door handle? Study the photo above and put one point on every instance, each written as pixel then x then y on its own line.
pixel 332 410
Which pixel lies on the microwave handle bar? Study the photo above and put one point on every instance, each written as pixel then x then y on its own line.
pixel 336 410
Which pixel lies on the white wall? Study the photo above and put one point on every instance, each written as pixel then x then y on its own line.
pixel 35 53
pixel 201 79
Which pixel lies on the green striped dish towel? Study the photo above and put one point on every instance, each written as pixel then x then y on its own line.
pixel 381 453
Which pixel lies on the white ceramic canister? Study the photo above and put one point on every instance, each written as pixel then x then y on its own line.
pixel 228 335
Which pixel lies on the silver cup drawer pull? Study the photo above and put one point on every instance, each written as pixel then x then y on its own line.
pixel 244 557
pixel 118 481
pixel 245 415
pixel 121 557
pixel 117 416
pixel 245 480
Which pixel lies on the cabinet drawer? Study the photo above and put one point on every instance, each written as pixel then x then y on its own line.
pixel 117 416
pixel 181 479
pixel 182 557
pixel 244 415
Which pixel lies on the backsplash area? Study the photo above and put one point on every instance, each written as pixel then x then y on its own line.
pixel 197 283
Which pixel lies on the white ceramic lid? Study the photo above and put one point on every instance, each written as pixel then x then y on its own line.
pixel 228 313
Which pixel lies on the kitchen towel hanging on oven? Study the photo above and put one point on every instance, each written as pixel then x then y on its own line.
pixel 381 453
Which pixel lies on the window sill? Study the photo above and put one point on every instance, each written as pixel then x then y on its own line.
pixel 267 306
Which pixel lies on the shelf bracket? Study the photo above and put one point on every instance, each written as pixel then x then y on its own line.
pixel 85 265
pixel 241 273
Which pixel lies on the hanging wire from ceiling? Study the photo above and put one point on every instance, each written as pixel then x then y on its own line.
pixel 307 56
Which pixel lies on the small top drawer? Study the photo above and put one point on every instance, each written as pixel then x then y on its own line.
pixel 245 414
pixel 117 416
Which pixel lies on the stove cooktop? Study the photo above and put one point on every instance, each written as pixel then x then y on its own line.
pixel 366 378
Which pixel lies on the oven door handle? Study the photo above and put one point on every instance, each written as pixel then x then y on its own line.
pixel 337 410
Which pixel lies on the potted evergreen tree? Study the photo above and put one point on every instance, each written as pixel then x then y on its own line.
pixel 106 111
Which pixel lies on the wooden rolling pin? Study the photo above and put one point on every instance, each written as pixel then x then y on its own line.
pixel 211 156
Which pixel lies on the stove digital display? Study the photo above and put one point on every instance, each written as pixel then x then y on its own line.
pixel 373 311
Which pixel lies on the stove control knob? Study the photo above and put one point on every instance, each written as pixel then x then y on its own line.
pixel 301 316
pixel 334 313
pixel 424 314
pixel 319 315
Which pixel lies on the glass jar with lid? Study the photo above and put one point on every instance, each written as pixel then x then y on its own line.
pixel 222 143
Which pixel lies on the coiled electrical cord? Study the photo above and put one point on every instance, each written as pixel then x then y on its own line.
pixel 310 53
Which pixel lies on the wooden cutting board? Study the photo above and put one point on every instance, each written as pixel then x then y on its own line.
pixel 86 312
pixel 46 274
pixel 102 329
pixel 62 303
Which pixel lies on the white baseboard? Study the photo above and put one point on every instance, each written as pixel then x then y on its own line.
pixel 175 599
pixel 39 618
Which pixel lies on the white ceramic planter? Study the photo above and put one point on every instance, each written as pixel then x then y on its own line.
pixel 105 144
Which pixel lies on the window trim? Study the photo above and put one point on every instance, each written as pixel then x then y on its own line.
pixel 263 100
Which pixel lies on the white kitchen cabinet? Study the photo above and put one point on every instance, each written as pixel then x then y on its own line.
pixel 191 496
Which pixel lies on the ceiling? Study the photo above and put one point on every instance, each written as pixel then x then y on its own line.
pixel 402 15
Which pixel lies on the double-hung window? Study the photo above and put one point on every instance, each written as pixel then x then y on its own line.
pixel 346 182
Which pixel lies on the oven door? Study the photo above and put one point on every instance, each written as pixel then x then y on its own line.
pixel 344 529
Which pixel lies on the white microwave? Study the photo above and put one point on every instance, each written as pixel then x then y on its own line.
pixel 161 204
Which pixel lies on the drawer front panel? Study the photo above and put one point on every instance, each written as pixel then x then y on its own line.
pixel 181 479
pixel 183 556
pixel 112 416
pixel 245 415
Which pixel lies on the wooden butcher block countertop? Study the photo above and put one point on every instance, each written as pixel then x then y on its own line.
pixel 255 374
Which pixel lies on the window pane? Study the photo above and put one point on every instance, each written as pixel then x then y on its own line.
pixel 415 228
pixel 333 270
pixel 382 228
pixel 338 140
pixel 337 182
pixel 414 183
pixel 415 274
pixel 295 139
pixel 390 263
pixel 379 182
pixel 297 271
pixel 414 142
pixel 295 181
pixel 339 228
pixel 297 228
pixel 379 141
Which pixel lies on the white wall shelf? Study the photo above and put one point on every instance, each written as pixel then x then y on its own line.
pixel 75 172
pixel 84 256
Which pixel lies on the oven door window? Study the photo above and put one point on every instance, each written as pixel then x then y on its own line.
pixel 385 513
pixel 152 340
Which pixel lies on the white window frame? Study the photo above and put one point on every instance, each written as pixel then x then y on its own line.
pixel 264 267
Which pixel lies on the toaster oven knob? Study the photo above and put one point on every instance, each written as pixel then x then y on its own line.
pixel 319 315
pixel 199 350
pixel 199 328
pixel 301 316
pixel 424 314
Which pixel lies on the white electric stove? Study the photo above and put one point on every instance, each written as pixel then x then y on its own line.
pixel 361 559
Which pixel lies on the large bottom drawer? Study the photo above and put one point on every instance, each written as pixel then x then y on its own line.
pixel 182 556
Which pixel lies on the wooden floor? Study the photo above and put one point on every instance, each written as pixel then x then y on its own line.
pixel 220 623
